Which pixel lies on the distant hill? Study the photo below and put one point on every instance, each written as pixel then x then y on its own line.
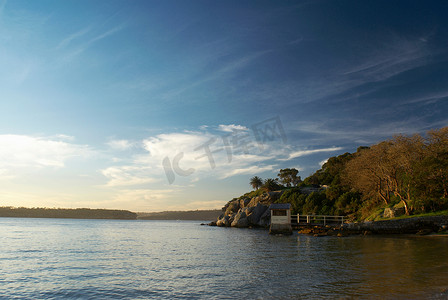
pixel 196 215
pixel 77 213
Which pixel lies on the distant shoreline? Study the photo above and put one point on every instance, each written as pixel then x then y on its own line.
pixel 66 213
pixel 191 215
pixel 112 214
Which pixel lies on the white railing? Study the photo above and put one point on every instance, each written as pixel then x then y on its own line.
pixel 319 219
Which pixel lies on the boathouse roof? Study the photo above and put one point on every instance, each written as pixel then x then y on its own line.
pixel 280 206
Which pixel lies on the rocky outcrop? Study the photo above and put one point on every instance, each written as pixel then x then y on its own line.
pixel 265 219
pixel 246 212
pixel 325 231
pixel 417 225
pixel 256 213
pixel 393 212
pixel 409 225
pixel 240 219
pixel 224 221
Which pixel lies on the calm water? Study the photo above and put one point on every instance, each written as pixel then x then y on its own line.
pixel 108 259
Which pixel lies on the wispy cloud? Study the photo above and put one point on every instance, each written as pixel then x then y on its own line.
pixel 358 77
pixel 198 155
pixel 224 70
pixel 128 176
pixel 322 162
pixel 20 153
pixel 120 145
pixel 430 97
pixel 358 131
pixel 301 153
pixel 82 46
pixel 247 170
pixel 66 41
pixel 232 127
pixel 106 34
pixel 5 174
pixel 372 73
pixel 296 41
pixel 397 55
pixel 145 199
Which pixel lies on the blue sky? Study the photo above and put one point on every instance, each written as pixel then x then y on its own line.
pixel 114 104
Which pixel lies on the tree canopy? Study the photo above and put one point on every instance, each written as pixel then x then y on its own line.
pixel 410 169
pixel 289 177
pixel 256 182
pixel 270 185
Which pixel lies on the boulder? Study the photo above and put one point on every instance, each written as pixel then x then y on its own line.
pixel 249 210
pixel 232 207
pixel 242 223
pixel 220 222
pixel 265 219
pixel 256 213
pixel 393 212
pixel 229 220
pixel 265 198
pixel 245 211
pixel 224 221
pixel 240 215
pixel 244 202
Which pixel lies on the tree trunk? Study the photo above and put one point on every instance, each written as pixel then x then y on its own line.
pixel 406 207
pixel 383 197
pixel 386 197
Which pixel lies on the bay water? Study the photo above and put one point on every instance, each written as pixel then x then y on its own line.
pixel 113 259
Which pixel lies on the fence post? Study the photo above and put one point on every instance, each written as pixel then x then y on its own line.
pixel 324 221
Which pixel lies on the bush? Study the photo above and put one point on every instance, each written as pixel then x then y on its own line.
pixel 348 203
pixel 295 197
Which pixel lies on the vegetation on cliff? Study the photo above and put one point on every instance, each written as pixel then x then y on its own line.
pixel 409 172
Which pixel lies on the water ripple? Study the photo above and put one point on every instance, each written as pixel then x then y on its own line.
pixel 105 259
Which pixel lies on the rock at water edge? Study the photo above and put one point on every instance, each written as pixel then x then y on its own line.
pixel 257 212
pixel 236 221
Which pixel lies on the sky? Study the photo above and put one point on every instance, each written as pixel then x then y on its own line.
pixel 175 105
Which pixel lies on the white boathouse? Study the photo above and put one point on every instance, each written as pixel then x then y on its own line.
pixel 280 218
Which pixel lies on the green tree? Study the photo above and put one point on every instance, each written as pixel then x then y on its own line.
pixel 256 182
pixel 348 203
pixel 271 185
pixel 388 168
pixel 366 173
pixel 330 172
pixel 295 197
pixel 313 203
pixel 289 177
pixel 431 184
